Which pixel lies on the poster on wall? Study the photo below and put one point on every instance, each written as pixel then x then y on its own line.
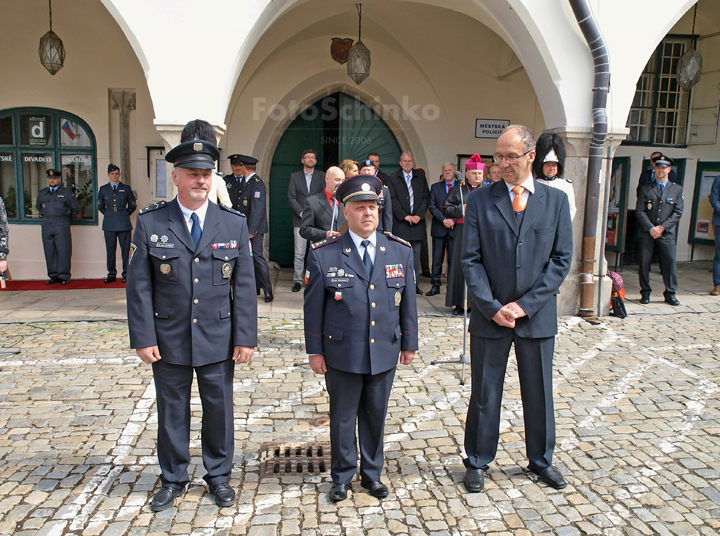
pixel 701 229
pixel 617 209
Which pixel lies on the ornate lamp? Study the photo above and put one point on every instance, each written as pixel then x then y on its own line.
pixel 51 51
pixel 689 67
pixel 358 61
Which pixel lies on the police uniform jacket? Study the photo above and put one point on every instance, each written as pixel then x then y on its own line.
pixel 58 207
pixel 248 197
pixel 385 210
pixel 116 206
pixel 654 208
pixel 317 218
pixel 359 322
pixel 180 297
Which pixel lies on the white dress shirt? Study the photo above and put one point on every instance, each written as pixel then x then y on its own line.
pixel 360 248
pixel 187 213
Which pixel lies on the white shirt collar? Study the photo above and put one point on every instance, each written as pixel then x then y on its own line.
pixel 187 213
pixel 247 179
pixel 371 248
pixel 528 184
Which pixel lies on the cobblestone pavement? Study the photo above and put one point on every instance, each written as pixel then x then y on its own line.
pixel 637 404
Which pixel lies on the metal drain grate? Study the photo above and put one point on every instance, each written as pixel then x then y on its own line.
pixel 285 459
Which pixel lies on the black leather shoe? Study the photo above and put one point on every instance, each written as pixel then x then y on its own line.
pixel 297 287
pixel 672 300
pixel 64 281
pixel 433 291
pixel 338 492
pixel 52 281
pixel 457 311
pixel 165 498
pixel 418 291
pixel 375 488
pixel 550 476
pixel 224 494
pixel 109 279
pixel 474 480
pixel 644 300
pixel 124 279
pixel 268 298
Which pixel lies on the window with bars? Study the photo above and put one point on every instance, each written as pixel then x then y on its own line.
pixel 659 111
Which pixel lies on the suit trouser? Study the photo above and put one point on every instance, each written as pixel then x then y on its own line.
pixel 416 246
pixel 440 245
pixel 299 262
pixel 173 385
pixel 668 268
pixel 362 398
pixel 111 240
pixel 57 245
pixel 488 362
pixel 716 260
pixel 262 273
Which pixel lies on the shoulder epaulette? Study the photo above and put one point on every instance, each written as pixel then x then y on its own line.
pixel 231 210
pixel 397 239
pixel 324 242
pixel 568 180
pixel 256 179
pixel 156 206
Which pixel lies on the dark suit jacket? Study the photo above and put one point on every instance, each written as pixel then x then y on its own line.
pixel 167 290
pixel 383 177
pixel 401 204
pixel 385 223
pixel 360 323
pixel 317 218
pixel 438 195
pixel 298 192
pixel 652 209
pixel 503 263
pixel 116 206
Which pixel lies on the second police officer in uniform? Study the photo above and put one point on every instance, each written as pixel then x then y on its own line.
pixel 116 202
pixel 58 207
pixel 360 316
pixel 247 193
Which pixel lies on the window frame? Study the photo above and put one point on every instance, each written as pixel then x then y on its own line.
pixel 56 149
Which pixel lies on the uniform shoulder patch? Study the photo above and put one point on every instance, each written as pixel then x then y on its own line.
pixel 155 206
pixel 231 210
pixel 256 179
pixel 568 180
pixel 325 242
pixel 397 239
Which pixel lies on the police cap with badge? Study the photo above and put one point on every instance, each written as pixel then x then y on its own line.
pixel 359 188
pixel 241 160
pixel 194 154
pixel 53 172
pixel 112 167
pixel 662 160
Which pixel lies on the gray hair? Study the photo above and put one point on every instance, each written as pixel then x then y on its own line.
pixel 407 153
pixel 448 164
pixel 525 135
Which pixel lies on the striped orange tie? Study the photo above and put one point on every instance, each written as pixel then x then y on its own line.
pixel 518 202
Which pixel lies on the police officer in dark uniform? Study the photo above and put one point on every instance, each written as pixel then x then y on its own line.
pixel 116 202
pixel 360 315
pixel 247 193
pixel 658 210
pixel 188 259
pixel 58 207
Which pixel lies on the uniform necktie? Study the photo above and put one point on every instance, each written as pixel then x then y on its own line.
pixel 367 261
pixel 196 231
pixel 408 181
pixel 518 202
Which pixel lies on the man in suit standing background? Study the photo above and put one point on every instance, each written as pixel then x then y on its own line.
pixel 323 215
pixel 304 183
pixel 410 195
pixel 375 159
pixel 116 202
pixel 517 248
pixel 441 229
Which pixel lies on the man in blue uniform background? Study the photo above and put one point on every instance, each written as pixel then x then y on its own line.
pixel 189 257
pixel 360 315
pixel 116 202
pixel 58 207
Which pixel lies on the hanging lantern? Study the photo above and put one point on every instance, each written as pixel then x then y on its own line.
pixel 689 67
pixel 358 61
pixel 51 51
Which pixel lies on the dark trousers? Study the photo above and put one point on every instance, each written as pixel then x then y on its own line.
pixel 646 247
pixel 361 398
pixel 416 246
pixel 716 259
pixel 488 362
pixel 173 385
pixel 57 245
pixel 262 273
pixel 440 246
pixel 111 240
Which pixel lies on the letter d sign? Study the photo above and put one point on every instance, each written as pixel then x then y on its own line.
pixel 37 129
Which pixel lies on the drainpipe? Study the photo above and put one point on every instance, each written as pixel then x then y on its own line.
pixel 595 42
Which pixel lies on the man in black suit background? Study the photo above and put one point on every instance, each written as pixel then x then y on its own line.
pixel 385 215
pixel 375 159
pixel 410 195
pixel 517 249
pixel 304 183
pixel 323 215
pixel 441 229
pixel 116 202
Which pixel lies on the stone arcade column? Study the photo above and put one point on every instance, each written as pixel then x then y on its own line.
pixel 124 102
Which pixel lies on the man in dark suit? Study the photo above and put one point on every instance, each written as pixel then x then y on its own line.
pixel 441 229
pixel 658 210
pixel 385 215
pixel 116 202
pixel 58 207
pixel 360 315
pixel 247 193
pixel 517 248
pixel 323 215
pixel 648 176
pixel 410 195
pixel 304 183
pixel 189 275
pixel 375 159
